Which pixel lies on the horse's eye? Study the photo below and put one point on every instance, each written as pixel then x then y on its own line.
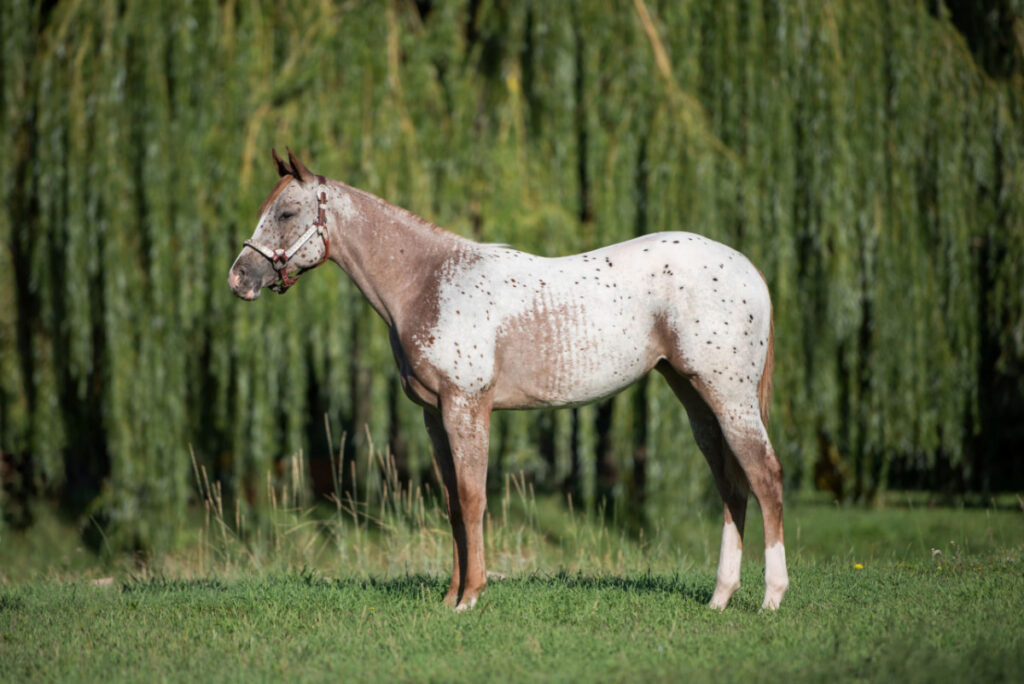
pixel 285 215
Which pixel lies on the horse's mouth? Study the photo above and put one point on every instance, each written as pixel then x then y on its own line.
pixel 247 295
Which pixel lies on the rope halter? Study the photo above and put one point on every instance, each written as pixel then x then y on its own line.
pixel 280 257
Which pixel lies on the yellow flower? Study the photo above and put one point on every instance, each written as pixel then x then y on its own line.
pixel 858 566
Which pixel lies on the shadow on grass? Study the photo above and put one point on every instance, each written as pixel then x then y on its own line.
pixel 10 603
pixel 413 586
pixel 416 586
pixel 165 585
pixel 649 583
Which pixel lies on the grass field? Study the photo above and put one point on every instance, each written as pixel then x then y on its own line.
pixel 907 593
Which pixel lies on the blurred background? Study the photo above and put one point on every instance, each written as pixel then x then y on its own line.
pixel 867 156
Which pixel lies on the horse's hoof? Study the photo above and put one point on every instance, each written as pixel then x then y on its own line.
pixel 772 600
pixel 465 605
pixel 723 592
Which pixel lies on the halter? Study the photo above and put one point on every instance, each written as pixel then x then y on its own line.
pixel 279 257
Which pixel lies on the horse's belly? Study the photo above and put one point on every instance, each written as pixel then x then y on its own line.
pixel 573 356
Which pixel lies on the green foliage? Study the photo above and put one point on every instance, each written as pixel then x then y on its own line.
pixel 854 150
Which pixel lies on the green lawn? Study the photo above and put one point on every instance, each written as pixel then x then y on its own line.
pixel 570 612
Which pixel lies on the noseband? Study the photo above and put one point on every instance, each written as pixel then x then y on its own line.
pixel 279 258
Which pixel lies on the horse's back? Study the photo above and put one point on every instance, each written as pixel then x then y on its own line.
pixel 582 327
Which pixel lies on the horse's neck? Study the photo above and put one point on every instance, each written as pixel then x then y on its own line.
pixel 392 255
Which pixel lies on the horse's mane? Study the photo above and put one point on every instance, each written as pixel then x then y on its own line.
pixel 400 211
pixel 282 183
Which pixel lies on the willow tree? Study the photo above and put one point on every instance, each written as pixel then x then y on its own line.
pixel 865 155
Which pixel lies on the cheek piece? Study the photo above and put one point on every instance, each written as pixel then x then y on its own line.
pixel 280 257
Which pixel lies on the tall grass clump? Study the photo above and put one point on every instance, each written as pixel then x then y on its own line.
pixel 385 529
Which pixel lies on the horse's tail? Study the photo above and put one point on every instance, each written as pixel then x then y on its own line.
pixel 764 388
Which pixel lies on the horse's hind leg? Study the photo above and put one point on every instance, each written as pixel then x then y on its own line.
pixel 744 431
pixel 729 478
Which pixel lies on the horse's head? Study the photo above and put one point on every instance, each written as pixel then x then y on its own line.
pixel 291 236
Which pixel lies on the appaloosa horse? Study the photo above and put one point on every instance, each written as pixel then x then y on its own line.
pixel 477 327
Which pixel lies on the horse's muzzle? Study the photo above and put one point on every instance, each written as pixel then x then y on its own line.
pixel 248 277
pixel 240 288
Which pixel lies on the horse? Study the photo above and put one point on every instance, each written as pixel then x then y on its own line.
pixel 477 327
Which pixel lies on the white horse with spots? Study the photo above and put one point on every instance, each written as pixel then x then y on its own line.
pixel 477 327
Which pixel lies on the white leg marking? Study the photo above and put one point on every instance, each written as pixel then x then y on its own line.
pixel 775 578
pixel 464 606
pixel 728 566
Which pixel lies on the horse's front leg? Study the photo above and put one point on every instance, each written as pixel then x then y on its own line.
pixel 460 437
pixel 446 466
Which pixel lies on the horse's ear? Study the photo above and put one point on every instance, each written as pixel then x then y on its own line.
pixel 300 170
pixel 282 167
